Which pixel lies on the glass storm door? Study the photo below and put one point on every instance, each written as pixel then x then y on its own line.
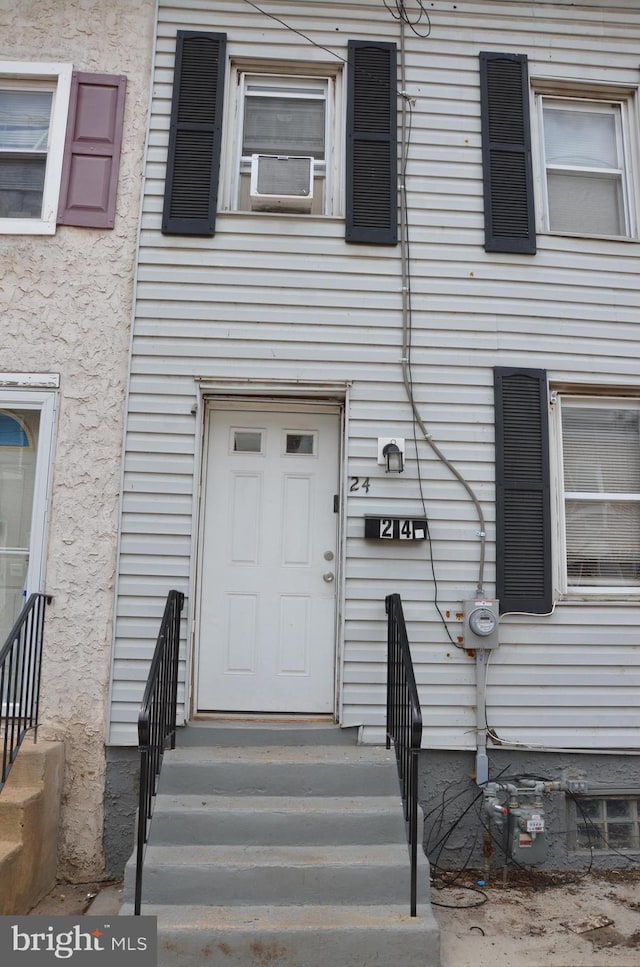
pixel 19 434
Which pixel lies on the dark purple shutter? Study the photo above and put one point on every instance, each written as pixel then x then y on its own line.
pixel 92 151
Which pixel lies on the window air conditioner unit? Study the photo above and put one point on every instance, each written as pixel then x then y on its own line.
pixel 281 183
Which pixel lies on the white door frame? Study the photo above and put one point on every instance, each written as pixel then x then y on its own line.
pixel 259 393
pixel 43 401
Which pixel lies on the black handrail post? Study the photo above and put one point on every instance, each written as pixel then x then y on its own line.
pixel 404 726
pixel 157 723
pixel 142 821
pixel 20 676
pixel 413 832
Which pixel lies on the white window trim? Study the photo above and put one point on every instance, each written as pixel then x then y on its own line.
pixel 585 92
pixel 45 402
pixel 232 132
pixel 59 76
pixel 566 591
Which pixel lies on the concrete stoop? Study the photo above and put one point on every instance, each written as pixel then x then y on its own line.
pixel 29 819
pixel 282 845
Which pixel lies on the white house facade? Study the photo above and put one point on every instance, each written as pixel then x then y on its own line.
pixel 360 231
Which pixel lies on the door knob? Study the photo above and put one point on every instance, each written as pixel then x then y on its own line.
pixel 328 577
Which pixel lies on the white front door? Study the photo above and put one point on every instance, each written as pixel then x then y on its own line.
pixel 268 563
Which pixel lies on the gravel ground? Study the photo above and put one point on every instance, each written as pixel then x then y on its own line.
pixel 550 921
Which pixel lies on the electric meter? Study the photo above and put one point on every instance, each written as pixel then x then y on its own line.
pixel 480 624
pixel 482 621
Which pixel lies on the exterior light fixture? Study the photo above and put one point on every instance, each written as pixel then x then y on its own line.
pixel 393 459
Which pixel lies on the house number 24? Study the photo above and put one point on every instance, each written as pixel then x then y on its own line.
pixel 359 483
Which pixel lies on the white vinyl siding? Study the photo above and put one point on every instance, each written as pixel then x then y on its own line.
pixel 284 298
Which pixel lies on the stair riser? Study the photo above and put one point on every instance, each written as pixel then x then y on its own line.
pixel 311 948
pixel 242 735
pixel 16 816
pixel 275 829
pixel 364 884
pixel 277 779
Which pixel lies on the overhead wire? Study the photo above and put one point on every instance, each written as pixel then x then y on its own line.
pixel 401 13
pixel 407 338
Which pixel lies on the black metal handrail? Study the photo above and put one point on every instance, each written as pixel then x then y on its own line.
pixel 20 670
pixel 157 722
pixel 404 725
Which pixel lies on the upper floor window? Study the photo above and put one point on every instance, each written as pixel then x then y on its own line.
pixel 599 464
pixel 286 144
pixel 284 139
pixel 34 101
pixel 570 167
pixel 585 166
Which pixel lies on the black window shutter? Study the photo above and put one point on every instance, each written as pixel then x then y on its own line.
pixel 523 506
pixel 509 218
pixel 372 144
pixel 193 162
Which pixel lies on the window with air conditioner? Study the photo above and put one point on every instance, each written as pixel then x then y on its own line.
pixel 586 151
pixel 286 144
pixel 599 490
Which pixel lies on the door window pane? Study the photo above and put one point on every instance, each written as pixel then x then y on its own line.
pixel 300 443
pixel 247 441
pixel 18 448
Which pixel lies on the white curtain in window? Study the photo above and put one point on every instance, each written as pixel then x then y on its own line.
pixel 586 139
pixel 284 125
pixel 601 450
pixel 24 120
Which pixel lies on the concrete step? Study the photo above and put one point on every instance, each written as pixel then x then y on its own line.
pixel 305 936
pixel 19 807
pixel 29 813
pixel 280 771
pixel 275 820
pixel 278 875
pixel 243 733
pixel 282 846
pixel 9 853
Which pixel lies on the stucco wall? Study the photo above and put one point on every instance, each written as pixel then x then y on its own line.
pixel 66 308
